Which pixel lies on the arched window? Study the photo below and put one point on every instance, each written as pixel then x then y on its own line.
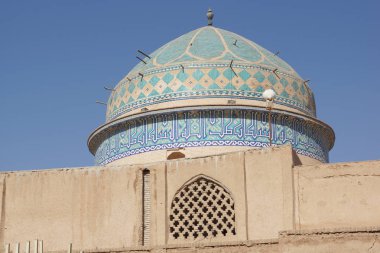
pixel 202 209
pixel 176 155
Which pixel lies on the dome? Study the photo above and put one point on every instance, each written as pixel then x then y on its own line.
pixel 209 62
pixel 202 94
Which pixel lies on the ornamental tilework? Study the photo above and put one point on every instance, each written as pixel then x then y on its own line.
pixel 217 81
pixel 215 44
pixel 210 128
pixel 201 60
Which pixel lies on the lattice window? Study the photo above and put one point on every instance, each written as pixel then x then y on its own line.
pixel 202 209
pixel 146 207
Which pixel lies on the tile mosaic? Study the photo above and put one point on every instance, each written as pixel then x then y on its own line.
pixel 211 128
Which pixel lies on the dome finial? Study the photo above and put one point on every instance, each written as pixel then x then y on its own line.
pixel 210 16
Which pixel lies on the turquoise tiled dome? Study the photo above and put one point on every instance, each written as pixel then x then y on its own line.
pixel 210 44
pixel 203 91
pixel 197 65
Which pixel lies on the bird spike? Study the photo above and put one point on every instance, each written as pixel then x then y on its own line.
pixel 146 55
pixel 141 59
pixel 100 102
pixel 109 89
pixel 275 72
pixel 232 68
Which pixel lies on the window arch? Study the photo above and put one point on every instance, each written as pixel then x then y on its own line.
pixel 202 208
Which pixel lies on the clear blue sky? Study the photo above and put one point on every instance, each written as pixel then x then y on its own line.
pixel 56 56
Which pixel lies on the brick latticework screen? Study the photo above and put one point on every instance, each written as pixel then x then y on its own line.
pixel 202 209
pixel 146 207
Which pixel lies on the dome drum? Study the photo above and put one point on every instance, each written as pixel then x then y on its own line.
pixel 240 127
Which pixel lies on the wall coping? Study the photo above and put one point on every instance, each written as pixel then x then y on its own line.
pixel 198 245
pixel 348 230
pixel 247 243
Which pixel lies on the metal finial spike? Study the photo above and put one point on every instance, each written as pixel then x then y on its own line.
pixel 146 55
pixel 141 59
pixel 275 72
pixel 210 16
pixel 100 102
pixel 108 88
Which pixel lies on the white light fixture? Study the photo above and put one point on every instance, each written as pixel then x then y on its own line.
pixel 269 95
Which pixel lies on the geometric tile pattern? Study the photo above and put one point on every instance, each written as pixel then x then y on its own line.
pixel 202 128
pixel 208 80
pixel 202 209
pixel 197 65
pixel 215 45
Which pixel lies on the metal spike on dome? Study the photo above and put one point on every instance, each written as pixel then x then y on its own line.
pixel 146 55
pixel 232 68
pixel 235 43
pixel 142 75
pixel 129 79
pixel 100 102
pixel 275 72
pixel 210 16
pixel 141 59
pixel 109 89
pixel 182 67
pixel 306 81
pixel 277 53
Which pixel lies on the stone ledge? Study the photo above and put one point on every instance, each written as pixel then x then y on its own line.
pixel 249 243
pixel 97 168
pixel 349 230
pixel 268 245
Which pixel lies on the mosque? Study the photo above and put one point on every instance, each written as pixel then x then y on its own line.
pixel 211 144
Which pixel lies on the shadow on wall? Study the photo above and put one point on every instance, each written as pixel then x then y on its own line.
pixel 175 155
pixel 296 159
